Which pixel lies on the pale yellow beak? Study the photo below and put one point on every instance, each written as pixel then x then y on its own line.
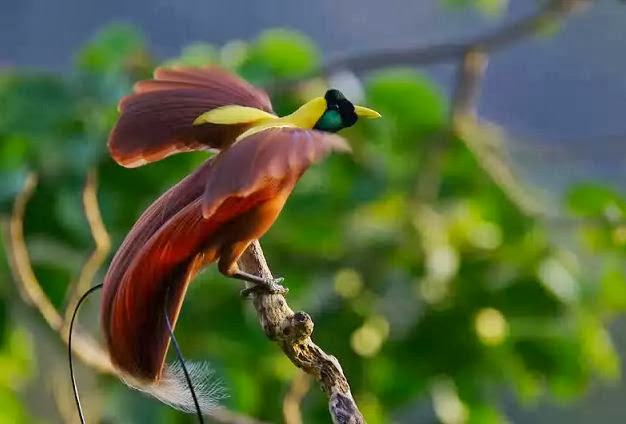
pixel 366 112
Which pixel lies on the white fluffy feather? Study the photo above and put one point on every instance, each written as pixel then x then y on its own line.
pixel 173 389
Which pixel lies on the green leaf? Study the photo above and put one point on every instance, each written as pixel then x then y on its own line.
pixel 283 53
pixel 589 199
pixel 409 99
pixel 111 49
pixel 613 288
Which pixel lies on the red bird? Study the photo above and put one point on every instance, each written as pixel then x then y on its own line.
pixel 213 214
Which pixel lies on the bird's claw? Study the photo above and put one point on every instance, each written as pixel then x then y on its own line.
pixel 267 286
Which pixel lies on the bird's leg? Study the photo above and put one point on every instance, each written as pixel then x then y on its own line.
pixel 228 266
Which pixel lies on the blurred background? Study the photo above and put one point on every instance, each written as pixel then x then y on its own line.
pixel 465 264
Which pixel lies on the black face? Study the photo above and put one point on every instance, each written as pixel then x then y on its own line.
pixel 339 113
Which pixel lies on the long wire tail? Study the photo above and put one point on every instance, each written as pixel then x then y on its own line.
pixel 179 355
pixel 69 350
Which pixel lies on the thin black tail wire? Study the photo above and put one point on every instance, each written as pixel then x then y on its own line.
pixel 69 351
pixel 181 359
pixel 179 355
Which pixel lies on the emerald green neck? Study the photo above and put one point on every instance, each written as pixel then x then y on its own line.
pixel 339 113
pixel 330 121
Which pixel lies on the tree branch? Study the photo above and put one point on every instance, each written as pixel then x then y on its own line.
pixel 84 347
pixel 292 332
pixel 102 243
pixel 555 11
pixel 483 139
pixel 470 72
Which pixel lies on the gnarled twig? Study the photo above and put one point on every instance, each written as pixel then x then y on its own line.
pixel 292 332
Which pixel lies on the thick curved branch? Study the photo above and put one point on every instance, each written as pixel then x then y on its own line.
pixel 84 347
pixel 101 240
pixel 292 332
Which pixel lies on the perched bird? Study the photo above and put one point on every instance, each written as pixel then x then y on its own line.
pixel 213 214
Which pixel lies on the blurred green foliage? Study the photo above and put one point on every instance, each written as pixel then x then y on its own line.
pixel 442 300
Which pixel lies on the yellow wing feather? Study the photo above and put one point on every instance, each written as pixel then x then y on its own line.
pixel 233 114
pixel 305 117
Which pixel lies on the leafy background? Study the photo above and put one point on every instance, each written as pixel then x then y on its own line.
pixel 441 306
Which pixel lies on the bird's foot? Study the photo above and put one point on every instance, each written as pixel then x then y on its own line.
pixel 272 286
pixel 269 286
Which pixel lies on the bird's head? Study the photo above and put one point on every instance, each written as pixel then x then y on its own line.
pixel 340 113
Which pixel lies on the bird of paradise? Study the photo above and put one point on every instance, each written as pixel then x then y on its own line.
pixel 211 215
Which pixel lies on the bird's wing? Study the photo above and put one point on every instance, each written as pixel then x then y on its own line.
pixel 157 119
pixel 163 253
